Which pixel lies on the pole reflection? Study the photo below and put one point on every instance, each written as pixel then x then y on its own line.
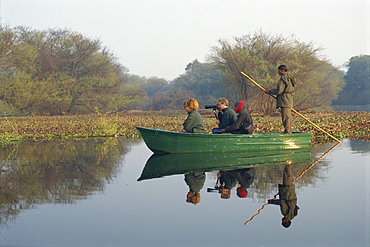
pixel 287 196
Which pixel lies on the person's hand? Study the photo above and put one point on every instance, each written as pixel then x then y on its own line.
pixel 223 131
pixel 267 91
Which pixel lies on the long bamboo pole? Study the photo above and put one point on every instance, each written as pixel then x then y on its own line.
pixel 299 114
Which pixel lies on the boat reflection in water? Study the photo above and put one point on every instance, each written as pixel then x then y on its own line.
pixel 262 173
pixel 160 165
pixel 235 171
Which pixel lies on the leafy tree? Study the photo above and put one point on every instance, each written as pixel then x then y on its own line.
pixel 8 49
pixel 204 80
pixel 171 99
pixel 356 90
pixel 62 72
pixel 259 55
pixel 151 86
pixel 154 85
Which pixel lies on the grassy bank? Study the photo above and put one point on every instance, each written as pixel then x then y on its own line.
pixel 349 125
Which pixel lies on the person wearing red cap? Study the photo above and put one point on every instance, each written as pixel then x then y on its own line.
pixel 245 177
pixel 243 123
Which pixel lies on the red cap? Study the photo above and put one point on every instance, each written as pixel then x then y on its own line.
pixel 242 193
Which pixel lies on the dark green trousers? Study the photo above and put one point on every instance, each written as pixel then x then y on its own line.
pixel 286 117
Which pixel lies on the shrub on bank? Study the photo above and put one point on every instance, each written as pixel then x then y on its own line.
pixel 349 125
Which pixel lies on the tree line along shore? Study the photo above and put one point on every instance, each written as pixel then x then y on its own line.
pixel 341 125
pixel 63 72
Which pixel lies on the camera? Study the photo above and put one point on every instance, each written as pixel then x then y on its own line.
pixel 214 108
pixel 214 190
pixel 210 106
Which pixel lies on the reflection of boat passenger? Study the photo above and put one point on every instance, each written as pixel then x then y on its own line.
pixel 229 179
pixel 195 181
pixel 287 198
pixel 245 178
pixel 244 122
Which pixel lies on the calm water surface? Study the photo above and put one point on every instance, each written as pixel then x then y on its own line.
pixel 105 192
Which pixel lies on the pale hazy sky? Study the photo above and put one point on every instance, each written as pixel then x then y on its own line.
pixel 160 37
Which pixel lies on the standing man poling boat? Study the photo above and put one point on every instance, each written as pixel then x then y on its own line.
pixel 284 100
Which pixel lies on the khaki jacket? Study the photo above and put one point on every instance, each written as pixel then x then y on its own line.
pixel 284 91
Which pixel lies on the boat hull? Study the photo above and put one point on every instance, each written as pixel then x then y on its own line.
pixel 161 165
pixel 161 141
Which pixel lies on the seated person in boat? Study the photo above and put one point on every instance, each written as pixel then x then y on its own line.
pixel 243 124
pixel 194 122
pixel 226 116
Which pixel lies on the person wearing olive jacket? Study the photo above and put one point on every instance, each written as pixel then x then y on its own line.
pixel 194 122
pixel 226 116
pixel 284 100
pixel 243 123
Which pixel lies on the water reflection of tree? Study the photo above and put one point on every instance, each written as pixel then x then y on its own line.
pixel 267 177
pixel 59 172
pixel 359 146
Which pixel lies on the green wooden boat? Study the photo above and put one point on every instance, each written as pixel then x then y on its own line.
pixel 161 165
pixel 161 141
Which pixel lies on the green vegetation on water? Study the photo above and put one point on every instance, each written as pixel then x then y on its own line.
pixel 349 125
